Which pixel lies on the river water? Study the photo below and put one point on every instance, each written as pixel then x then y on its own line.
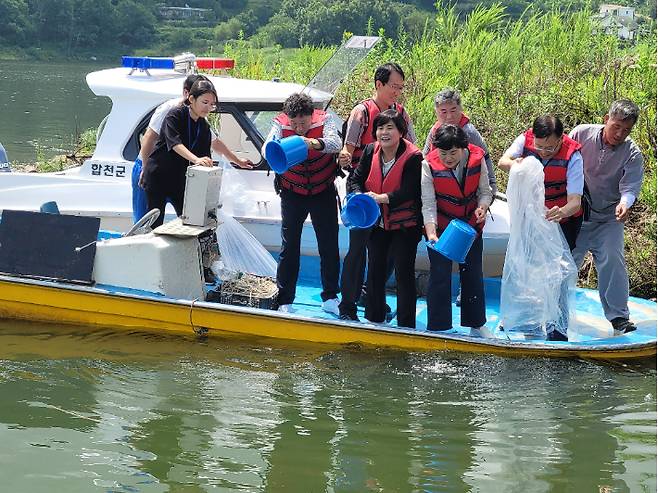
pixel 45 105
pixel 97 410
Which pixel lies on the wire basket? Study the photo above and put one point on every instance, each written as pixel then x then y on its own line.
pixel 249 290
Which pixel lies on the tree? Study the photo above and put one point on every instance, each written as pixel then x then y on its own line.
pixel 16 26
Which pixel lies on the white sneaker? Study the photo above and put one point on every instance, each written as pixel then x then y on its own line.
pixel 331 306
pixel 483 331
pixel 286 309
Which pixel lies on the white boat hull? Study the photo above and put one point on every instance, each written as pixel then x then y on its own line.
pixel 110 199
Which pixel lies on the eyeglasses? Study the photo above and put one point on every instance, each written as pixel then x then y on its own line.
pixel 548 149
pixel 397 87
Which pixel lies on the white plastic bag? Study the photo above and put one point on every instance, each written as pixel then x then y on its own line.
pixel 539 273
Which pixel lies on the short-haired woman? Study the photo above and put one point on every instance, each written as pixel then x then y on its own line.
pixel 455 184
pixel 389 171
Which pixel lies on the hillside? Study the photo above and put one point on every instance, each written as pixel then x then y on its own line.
pixel 107 28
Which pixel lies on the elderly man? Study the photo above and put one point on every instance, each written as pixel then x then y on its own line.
pixel 448 109
pixel 613 167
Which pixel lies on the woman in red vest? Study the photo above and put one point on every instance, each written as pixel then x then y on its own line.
pixel 389 171
pixel 455 184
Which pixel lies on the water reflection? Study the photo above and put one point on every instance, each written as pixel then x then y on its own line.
pixel 48 104
pixel 100 411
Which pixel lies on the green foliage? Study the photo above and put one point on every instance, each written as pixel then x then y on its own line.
pixel 302 22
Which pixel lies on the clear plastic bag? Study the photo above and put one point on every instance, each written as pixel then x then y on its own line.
pixel 539 273
pixel 239 251
pixel 235 194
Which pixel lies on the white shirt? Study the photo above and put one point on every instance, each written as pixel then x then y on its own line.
pixel 575 174
pixel 428 194
pixel 156 121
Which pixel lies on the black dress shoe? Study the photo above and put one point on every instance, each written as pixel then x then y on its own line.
pixel 556 335
pixel 349 316
pixel 623 325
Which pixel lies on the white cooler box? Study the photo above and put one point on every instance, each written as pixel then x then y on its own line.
pixel 202 185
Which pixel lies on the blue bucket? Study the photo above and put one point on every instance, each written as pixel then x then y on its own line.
pixel 285 153
pixel 49 207
pixel 360 211
pixel 455 241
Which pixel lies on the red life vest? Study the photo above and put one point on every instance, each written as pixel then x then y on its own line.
pixel 555 171
pixel 372 110
pixel 463 120
pixel 318 172
pixel 455 201
pixel 404 215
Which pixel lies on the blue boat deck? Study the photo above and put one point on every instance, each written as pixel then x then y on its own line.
pixel 589 327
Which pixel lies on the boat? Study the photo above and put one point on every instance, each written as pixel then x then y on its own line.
pixel 154 281
pixel 101 186
pixel 4 160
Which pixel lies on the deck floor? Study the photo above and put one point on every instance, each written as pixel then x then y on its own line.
pixel 589 325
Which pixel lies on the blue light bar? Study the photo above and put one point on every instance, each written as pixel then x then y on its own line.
pixel 146 62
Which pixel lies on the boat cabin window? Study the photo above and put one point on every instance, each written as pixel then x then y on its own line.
pixel 228 126
pixel 132 147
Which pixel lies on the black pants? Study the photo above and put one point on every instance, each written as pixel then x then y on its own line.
pixel 354 266
pixel 157 199
pixel 401 244
pixel 323 209
pixel 571 229
pixel 439 295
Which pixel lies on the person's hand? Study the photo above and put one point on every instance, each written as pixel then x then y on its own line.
pixel 312 143
pixel 480 214
pixel 621 212
pixel 380 198
pixel 555 214
pixel 344 158
pixel 432 237
pixel 203 161
pixel 245 163
pixel 515 161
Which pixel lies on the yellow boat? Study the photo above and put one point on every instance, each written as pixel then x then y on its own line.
pixel 56 302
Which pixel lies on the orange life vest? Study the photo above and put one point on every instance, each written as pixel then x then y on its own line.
pixel 318 172
pixel 463 120
pixel 555 171
pixel 455 201
pixel 372 110
pixel 404 215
